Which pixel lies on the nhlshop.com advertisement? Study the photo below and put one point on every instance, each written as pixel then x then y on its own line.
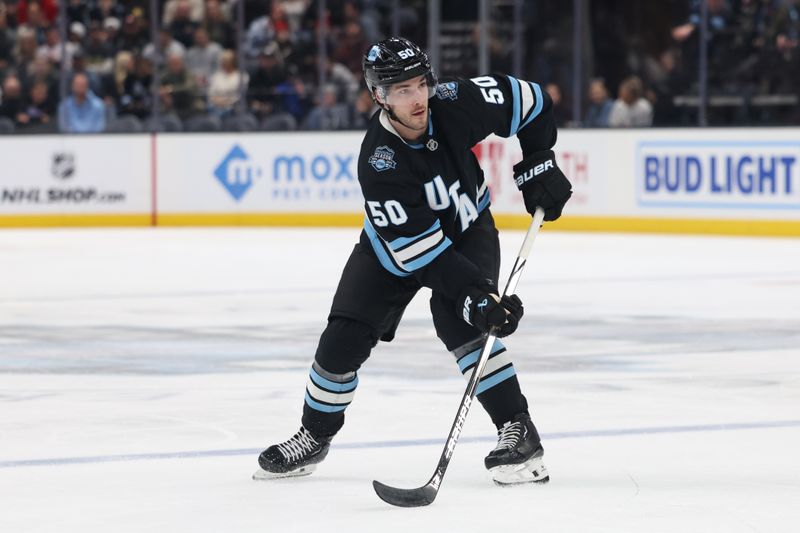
pixel 70 174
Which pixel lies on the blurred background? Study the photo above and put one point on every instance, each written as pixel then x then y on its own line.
pixel 261 65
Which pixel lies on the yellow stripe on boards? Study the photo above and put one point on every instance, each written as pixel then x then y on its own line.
pixel 262 219
pixel 69 221
pixel 773 228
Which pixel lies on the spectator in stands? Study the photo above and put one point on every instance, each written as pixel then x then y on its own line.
pixel 179 93
pixel 362 110
pixel 167 47
pixel 76 33
pixel 225 87
pixel 171 8
pixel 43 70
pixel 666 81
pixel 203 58
pixel 784 36
pixel 112 26
pixel 631 109
pixel 7 41
pixel 13 104
pixel 123 67
pixel 260 33
pixel 78 11
pixel 262 90
pixel 561 113
pixel 600 105
pixel 37 21
pixel 351 48
pixel 134 34
pixel 40 109
pixel 82 111
pixel 328 114
pixel 278 18
pixel 721 53
pixel 346 83
pixel 368 21
pixel 80 66
pixel 182 26
pixel 98 51
pixel 51 49
pixel 136 98
pixel 48 9
pixel 219 28
pixel 105 9
pixel 25 52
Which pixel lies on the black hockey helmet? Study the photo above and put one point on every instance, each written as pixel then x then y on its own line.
pixel 394 60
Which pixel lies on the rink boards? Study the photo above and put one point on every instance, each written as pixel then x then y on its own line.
pixel 720 181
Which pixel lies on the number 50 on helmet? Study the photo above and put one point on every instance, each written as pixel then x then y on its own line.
pixel 395 60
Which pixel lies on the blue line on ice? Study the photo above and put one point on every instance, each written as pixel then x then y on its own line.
pixel 60 461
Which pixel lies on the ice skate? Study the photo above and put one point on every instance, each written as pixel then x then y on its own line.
pixel 298 456
pixel 517 458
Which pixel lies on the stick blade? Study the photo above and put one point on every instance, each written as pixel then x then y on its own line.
pixel 405 497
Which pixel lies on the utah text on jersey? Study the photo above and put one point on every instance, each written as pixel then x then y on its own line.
pixel 421 196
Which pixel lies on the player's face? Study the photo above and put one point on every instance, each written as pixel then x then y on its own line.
pixel 409 101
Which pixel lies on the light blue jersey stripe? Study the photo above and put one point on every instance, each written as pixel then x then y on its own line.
pixel 322 407
pixel 402 241
pixel 383 257
pixel 515 118
pixel 428 257
pixel 487 384
pixel 539 104
pixel 419 146
pixel 484 202
pixel 472 357
pixel 332 385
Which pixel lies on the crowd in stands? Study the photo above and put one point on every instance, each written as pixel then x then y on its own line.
pixel 110 62
pixel 646 72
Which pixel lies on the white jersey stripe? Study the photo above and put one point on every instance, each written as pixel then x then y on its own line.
pixel 419 247
pixel 527 100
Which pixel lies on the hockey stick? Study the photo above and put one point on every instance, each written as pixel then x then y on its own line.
pixel 427 493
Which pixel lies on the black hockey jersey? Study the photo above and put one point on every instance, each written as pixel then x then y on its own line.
pixel 421 197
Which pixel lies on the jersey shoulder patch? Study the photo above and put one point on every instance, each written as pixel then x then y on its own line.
pixel 447 91
pixel 382 159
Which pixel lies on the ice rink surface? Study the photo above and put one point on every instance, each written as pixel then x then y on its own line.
pixel 142 370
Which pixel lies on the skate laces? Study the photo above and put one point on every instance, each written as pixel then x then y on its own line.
pixel 301 443
pixel 508 436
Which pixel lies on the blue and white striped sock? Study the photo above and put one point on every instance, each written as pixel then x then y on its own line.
pixel 328 392
pixel 498 369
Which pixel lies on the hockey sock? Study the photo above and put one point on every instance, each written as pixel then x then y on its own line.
pixel 498 389
pixel 327 396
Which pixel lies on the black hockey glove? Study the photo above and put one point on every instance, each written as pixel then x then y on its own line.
pixel 481 307
pixel 542 184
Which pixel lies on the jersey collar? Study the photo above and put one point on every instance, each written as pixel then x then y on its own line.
pixel 387 124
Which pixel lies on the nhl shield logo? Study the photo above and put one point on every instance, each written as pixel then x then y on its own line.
pixel 432 145
pixel 382 159
pixel 62 165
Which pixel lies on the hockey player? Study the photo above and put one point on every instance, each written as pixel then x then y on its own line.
pixel 428 224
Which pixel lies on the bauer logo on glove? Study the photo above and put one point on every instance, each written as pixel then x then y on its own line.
pixel 542 184
pixel 533 172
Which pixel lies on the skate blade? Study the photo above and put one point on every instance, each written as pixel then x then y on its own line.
pixel 531 471
pixel 263 475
